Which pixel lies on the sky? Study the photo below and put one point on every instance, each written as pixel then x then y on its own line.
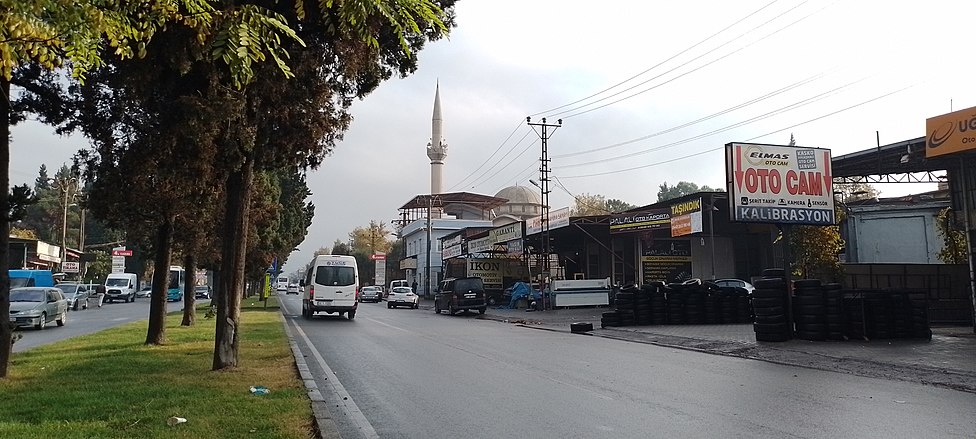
pixel 648 92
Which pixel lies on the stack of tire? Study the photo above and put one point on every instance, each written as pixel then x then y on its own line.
pixel 734 305
pixel 920 319
pixel 713 306
pixel 658 302
pixel 834 310
pixel 675 294
pixel 809 310
pixel 769 306
pixel 900 315
pixel 624 302
pixel 743 306
pixel 642 307
pixel 878 321
pixel 695 296
pixel 610 318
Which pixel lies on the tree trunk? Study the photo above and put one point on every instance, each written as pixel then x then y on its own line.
pixel 238 204
pixel 189 291
pixel 156 334
pixel 6 331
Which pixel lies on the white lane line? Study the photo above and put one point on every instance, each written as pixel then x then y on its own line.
pixel 282 304
pixel 356 415
pixel 388 325
pixel 597 394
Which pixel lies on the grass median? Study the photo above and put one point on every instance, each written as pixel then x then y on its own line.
pixel 111 385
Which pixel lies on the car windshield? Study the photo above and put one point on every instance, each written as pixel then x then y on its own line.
pixel 201 288
pixel 402 290
pixel 67 288
pixel 117 283
pixel 27 296
pixel 17 282
pixel 332 275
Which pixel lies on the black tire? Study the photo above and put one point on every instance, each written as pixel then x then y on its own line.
pixel 352 314
pixel 42 323
pixel 762 293
pixel 775 337
pixel 482 310
pixel 771 328
pixel 580 327
pixel 818 310
pixel 762 302
pixel 75 308
pixel 776 319
pixel 62 319
pixel 807 319
pixel 437 308
pixel 770 310
pixel 770 284
pixel 799 301
pixel 808 283
pixel 811 335
pixel 451 309
pixel 389 305
pixel 417 305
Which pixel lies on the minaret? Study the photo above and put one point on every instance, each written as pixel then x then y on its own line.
pixel 437 148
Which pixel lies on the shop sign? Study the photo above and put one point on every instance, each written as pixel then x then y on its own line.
pixel 666 260
pixel 505 233
pixel 489 270
pixel 408 264
pixel 686 218
pixel 557 218
pixel 950 133
pixel 647 220
pixel 514 247
pixel 70 267
pixel 452 251
pixel 480 245
pixel 454 240
pixel 779 184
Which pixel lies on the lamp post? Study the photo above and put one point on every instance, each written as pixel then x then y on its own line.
pixel 63 184
pixel 430 203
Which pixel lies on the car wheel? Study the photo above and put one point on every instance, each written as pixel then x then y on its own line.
pixel 451 309
pixel 62 318
pixel 416 305
pixel 437 308
pixel 42 322
pixel 85 306
pixel 481 310
pixel 352 315
pixel 389 306
pixel 75 308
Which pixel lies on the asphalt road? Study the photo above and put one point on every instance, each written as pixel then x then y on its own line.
pixel 88 321
pixel 408 373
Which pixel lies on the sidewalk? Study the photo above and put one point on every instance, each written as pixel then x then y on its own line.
pixel 948 360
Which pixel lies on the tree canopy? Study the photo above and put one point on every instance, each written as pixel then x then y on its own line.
pixel 681 189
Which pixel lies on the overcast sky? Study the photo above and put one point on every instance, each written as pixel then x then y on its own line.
pixel 703 74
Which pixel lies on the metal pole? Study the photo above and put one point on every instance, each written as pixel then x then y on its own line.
pixel 544 177
pixel 711 230
pixel 965 190
pixel 64 226
pixel 788 275
pixel 430 202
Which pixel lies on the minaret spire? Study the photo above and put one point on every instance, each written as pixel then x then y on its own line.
pixel 437 148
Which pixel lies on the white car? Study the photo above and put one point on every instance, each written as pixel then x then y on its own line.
pixel 292 289
pixel 402 296
pixel 735 283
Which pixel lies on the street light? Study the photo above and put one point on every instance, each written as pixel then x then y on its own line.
pixel 63 185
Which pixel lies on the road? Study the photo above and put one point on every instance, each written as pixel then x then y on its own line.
pixel 410 373
pixel 88 321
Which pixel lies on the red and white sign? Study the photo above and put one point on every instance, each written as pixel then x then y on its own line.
pixel 779 184
pixel 121 252
pixel 377 257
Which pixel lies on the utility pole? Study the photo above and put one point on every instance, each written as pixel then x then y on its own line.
pixel 544 188
pixel 430 205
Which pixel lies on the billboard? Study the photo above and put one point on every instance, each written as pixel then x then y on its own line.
pixel 647 220
pixel 489 270
pixel 686 217
pixel 557 218
pixel 950 133
pixel 779 184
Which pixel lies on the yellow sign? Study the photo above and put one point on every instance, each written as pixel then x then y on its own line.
pixel 950 133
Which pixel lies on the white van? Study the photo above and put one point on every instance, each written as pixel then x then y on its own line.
pixel 398 283
pixel 331 285
pixel 121 286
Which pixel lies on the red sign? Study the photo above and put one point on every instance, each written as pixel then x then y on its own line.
pixel 377 257
pixel 121 252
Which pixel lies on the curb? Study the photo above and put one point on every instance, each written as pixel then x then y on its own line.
pixel 325 426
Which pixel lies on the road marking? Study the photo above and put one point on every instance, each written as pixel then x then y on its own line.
pixel 598 395
pixel 282 304
pixel 356 415
pixel 388 325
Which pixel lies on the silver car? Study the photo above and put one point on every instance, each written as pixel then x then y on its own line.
pixel 77 295
pixel 37 306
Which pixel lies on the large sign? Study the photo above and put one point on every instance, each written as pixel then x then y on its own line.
pixel 686 217
pixel 950 133
pixel 70 267
pixel 408 264
pixel 667 260
pixel 489 270
pixel 452 251
pixel 557 218
pixel 779 184
pixel 377 257
pixel 122 252
pixel 505 233
pixel 380 272
pixel 454 240
pixel 647 220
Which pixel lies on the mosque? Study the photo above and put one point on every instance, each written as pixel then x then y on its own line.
pixel 443 213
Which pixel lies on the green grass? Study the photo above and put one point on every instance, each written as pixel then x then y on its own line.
pixel 110 385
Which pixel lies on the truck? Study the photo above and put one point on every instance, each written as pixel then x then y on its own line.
pixel 31 278
pixel 121 286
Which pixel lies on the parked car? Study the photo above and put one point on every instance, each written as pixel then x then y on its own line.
pixel 739 283
pixel 201 291
pixel 37 306
pixel 460 294
pixel 371 294
pixel 292 289
pixel 402 296
pixel 76 294
pixel 146 291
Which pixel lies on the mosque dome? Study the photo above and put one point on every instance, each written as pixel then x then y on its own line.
pixel 522 201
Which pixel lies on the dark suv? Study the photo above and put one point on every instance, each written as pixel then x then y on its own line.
pixel 460 294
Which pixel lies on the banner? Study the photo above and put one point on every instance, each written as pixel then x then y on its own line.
pixel 779 184
pixel 647 220
pixel 380 273
pixel 452 251
pixel 686 218
pixel 505 233
pixel 950 133
pixel 557 218
pixel 479 245
pixel 489 270
pixel 667 260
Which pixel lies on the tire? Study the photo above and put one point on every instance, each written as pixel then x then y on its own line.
pixel 62 319
pixel 85 306
pixel 75 308
pixel 762 302
pixel 306 313
pixel 808 283
pixel 42 323
pixel 491 301
pixel 770 311
pixel 417 305
pixel 389 305
pixel 451 309
pixel 762 336
pixel 771 319
pixel 771 328
pixel 437 308
pixel 482 310
pixel 578 327
pixel 352 314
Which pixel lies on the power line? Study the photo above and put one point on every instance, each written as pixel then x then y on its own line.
pixel 766 115
pixel 526 149
pixel 658 64
pixel 690 71
pixel 750 139
pixel 699 120
pixel 461 183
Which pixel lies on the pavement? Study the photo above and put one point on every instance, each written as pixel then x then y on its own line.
pixel 948 360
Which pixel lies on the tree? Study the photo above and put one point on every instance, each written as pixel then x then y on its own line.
pixel 614 205
pixel 850 192
pixel 953 240
pixel 681 189
pixel 340 248
pixel 596 204
pixel 815 249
